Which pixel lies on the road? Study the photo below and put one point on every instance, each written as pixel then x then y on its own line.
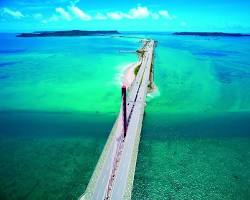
pixel 114 174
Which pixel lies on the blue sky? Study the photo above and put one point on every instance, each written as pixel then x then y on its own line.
pixel 127 15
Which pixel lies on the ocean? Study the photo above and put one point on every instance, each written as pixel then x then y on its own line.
pixel 59 98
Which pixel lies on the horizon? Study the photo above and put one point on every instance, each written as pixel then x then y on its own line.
pixel 121 32
pixel 147 16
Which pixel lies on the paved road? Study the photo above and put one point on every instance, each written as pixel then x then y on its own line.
pixel 114 173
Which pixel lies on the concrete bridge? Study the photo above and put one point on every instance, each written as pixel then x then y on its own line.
pixel 114 173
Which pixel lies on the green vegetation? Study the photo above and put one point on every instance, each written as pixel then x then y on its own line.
pixel 140 52
pixel 67 33
pixel 136 70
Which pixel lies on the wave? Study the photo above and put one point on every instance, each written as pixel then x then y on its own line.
pixel 154 94
pixel 120 74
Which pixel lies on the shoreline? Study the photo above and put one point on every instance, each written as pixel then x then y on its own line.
pixel 129 75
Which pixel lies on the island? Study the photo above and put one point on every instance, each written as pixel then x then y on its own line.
pixel 216 34
pixel 67 33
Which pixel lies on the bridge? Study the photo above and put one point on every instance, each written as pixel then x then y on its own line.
pixel 114 173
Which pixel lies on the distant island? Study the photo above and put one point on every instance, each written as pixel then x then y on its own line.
pixel 67 33
pixel 212 34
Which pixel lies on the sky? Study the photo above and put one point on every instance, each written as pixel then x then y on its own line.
pixel 126 15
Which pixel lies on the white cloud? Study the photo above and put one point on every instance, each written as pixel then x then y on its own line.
pixel 79 13
pixel 115 15
pixel 68 14
pixel 64 14
pixel 165 14
pixel 134 13
pixel 16 14
pixel 100 16
pixel 138 13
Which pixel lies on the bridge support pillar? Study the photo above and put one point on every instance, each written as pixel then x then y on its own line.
pixel 124 114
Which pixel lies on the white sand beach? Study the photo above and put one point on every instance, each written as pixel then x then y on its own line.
pixel 129 75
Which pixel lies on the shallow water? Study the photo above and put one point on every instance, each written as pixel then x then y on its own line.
pixel 59 99
pixel 196 134
pixel 73 74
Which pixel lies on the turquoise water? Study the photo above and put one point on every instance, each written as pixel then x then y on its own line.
pixel 66 74
pixel 196 134
pixel 59 98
